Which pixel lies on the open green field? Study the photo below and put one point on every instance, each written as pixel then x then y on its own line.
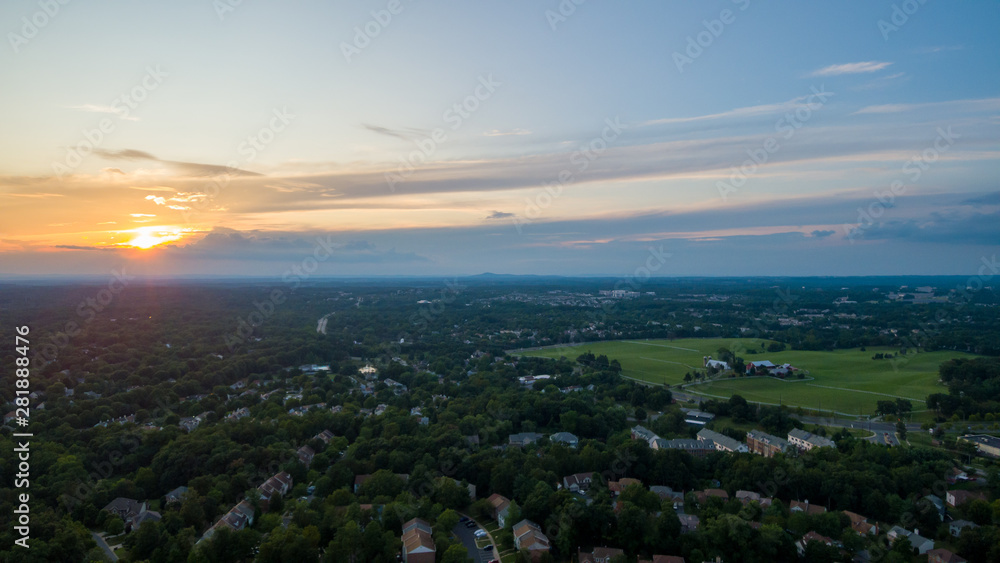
pixel 846 381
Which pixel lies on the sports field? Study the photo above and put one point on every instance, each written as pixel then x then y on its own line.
pixel 846 381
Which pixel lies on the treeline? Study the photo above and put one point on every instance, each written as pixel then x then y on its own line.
pixel 973 389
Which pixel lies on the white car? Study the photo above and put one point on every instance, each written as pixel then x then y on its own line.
pixel 480 533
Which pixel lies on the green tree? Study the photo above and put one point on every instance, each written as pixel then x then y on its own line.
pixel 456 554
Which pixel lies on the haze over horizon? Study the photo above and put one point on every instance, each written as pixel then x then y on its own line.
pixel 392 137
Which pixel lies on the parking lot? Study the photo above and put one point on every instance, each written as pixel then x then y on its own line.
pixel 468 539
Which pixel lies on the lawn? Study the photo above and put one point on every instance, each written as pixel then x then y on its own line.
pixel 845 381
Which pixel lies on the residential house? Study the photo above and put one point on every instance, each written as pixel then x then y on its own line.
pixel 919 543
pixel 616 487
pixel 276 486
pixel 643 433
pixel 811 509
pixel 175 495
pixel 762 443
pixel 746 497
pixel 697 448
pixel 861 525
pixel 703 496
pixel 956 526
pixel 306 455
pixel 807 440
pixel 599 555
pixel 326 436
pixel 959 497
pixel 524 438
pixel 721 442
pixel 664 559
pixel 689 522
pixel 418 543
pixel 579 482
pixel 800 545
pixel 937 502
pixel 666 493
pixel 189 423
pixel 944 556
pixel 132 512
pixel 528 536
pixel 501 506
pixel 565 438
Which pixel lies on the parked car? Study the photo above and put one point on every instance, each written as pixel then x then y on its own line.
pixel 480 533
pixel 488 548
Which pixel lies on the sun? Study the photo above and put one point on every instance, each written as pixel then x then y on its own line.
pixel 148 237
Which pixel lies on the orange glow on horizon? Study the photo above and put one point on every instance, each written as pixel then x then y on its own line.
pixel 149 237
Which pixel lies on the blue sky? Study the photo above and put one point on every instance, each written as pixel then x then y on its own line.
pixel 740 137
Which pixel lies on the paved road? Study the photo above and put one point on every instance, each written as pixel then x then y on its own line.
pixel 104 545
pixel 468 538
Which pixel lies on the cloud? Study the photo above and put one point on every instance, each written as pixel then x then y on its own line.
pixel 113 171
pixel 499 133
pixel 141 215
pixel 851 68
pixel 822 234
pixel 939 49
pixel 963 106
pixel 404 134
pixel 988 199
pixel 499 215
pixel 945 227
pixel 94 108
pixel 188 168
pixel 286 248
pixel 749 111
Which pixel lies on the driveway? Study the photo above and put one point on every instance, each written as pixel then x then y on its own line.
pixel 468 538
pixel 99 538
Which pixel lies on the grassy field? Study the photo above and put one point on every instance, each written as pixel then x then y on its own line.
pixel 846 381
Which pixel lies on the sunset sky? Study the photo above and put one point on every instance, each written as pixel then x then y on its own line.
pixel 201 137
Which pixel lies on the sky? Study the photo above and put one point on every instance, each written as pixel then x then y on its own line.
pixel 573 137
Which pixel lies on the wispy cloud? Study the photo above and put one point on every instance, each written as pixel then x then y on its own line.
pixel 851 68
pixel 188 168
pixel 499 215
pixel 499 133
pixel 984 104
pixel 94 108
pixel 749 111
pixel 404 134
pixel 939 49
